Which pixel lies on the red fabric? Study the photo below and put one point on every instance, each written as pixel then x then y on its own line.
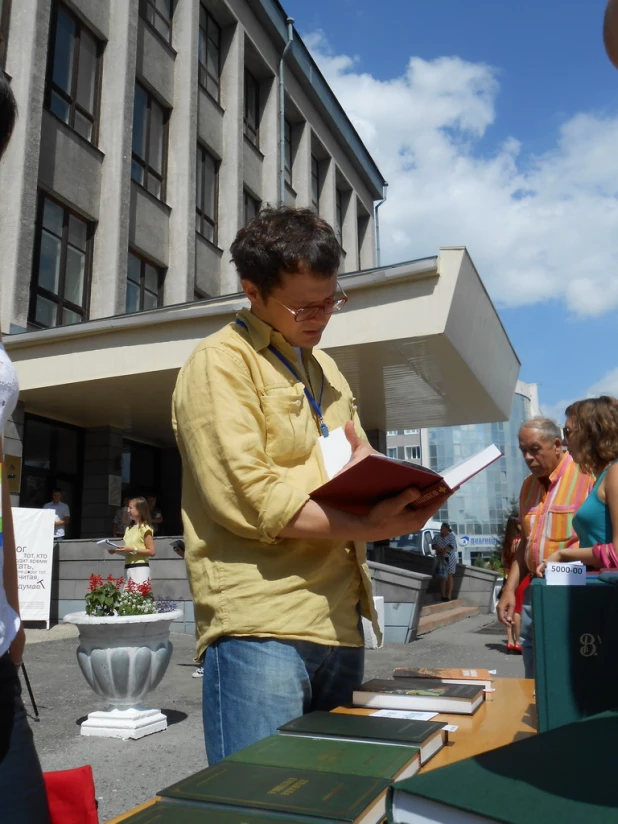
pixel 71 796
pixel 520 592
pixel 606 555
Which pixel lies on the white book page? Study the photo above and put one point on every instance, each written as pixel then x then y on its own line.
pixel 410 716
pixel 459 473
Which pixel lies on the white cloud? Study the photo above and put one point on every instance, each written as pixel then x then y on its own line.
pixel 538 227
pixel 607 385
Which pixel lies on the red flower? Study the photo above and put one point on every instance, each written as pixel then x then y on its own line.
pixel 95 581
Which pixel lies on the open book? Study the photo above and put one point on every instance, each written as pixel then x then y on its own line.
pixel 376 477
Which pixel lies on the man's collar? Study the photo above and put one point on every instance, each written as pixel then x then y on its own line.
pixel 565 460
pixel 261 334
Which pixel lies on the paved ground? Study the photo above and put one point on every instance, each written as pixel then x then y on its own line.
pixel 129 772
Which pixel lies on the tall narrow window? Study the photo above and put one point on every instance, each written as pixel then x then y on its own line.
pixel 252 206
pixel 73 73
pixel 158 13
pixel 5 18
pixel 149 142
pixel 61 277
pixel 316 184
pixel 144 284
pixel 413 453
pixel 287 144
pixel 252 109
pixel 209 54
pixel 339 216
pixel 206 191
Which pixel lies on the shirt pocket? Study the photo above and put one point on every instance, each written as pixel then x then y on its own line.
pixel 560 526
pixel 290 426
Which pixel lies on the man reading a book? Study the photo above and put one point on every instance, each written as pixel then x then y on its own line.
pixel 549 498
pixel 279 582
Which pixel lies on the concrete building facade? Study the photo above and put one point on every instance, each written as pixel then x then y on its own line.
pixel 149 132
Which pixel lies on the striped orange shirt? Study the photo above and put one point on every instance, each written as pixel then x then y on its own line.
pixel 547 514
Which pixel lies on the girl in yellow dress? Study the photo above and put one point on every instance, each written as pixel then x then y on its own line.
pixel 138 547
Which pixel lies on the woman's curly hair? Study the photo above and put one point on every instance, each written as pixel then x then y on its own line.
pixel 597 422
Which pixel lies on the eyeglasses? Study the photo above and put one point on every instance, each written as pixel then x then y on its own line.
pixel 568 431
pixel 329 307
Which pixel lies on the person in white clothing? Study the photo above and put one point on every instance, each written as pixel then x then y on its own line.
pixel 63 514
pixel 23 799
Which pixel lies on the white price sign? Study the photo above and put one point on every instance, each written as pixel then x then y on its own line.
pixel 565 573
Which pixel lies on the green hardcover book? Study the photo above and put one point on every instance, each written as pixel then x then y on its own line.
pixel 566 775
pixel 419 694
pixel 175 812
pixel 576 650
pixel 234 787
pixel 324 755
pixel 429 736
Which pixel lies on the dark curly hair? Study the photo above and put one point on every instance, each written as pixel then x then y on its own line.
pixel 284 240
pixel 597 422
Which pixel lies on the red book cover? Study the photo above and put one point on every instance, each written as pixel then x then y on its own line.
pixel 377 477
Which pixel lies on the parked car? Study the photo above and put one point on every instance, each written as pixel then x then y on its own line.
pixel 418 542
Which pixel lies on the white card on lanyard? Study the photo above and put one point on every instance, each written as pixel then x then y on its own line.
pixel 336 451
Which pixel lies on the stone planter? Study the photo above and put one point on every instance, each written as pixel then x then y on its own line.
pixel 123 658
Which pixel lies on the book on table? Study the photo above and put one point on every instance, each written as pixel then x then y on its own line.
pixel 428 736
pixel 448 676
pixel 575 649
pixel 313 795
pixel 363 485
pixel 332 755
pixel 566 775
pixel 419 694
pixel 177 812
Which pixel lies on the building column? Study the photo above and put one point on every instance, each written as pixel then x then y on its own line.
pixel 111 243
pixel 328 195
pixel 13 447
pixel 269 142
pixel 301 173
pixel 231 168
pixel 102 490
pixel 180 278
pixel 27 50
pixel 349 233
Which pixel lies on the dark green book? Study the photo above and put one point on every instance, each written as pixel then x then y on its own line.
pixel 332 755
pixel 419 694
pixel 428 736
pixel 234 787
pixel 175 812
pixel 576 650
pixel 566 775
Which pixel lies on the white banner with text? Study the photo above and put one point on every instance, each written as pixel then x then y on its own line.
pixel 34 543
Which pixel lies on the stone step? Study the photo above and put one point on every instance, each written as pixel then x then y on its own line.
pixel 439 606
pixel 430 622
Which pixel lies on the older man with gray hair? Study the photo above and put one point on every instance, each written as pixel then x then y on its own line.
pixel 549 498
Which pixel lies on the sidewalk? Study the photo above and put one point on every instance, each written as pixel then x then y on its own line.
pixel 129 772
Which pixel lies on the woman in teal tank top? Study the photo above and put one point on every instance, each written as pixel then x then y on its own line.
pixel 591 432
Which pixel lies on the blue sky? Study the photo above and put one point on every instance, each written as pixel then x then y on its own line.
pixel 496 126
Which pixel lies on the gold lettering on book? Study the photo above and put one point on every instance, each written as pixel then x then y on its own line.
pixel 281 787
pixel 589 644
pixel 300 783
pixel 335 790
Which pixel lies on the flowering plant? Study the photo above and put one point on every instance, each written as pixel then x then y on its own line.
pixel 113 596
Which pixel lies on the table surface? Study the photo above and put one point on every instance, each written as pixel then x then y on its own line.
pixel 506 715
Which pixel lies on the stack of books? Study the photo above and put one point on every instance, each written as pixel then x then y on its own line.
pixel 322 767
pixel 328 766
pixel 566 775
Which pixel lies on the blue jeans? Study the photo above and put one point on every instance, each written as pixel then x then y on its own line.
pixel 525 635
pixel 22 789
pixel 253 685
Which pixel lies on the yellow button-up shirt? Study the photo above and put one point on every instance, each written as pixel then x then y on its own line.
pixel 249 445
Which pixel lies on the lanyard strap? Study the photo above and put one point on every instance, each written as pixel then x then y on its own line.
pixel 315 405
